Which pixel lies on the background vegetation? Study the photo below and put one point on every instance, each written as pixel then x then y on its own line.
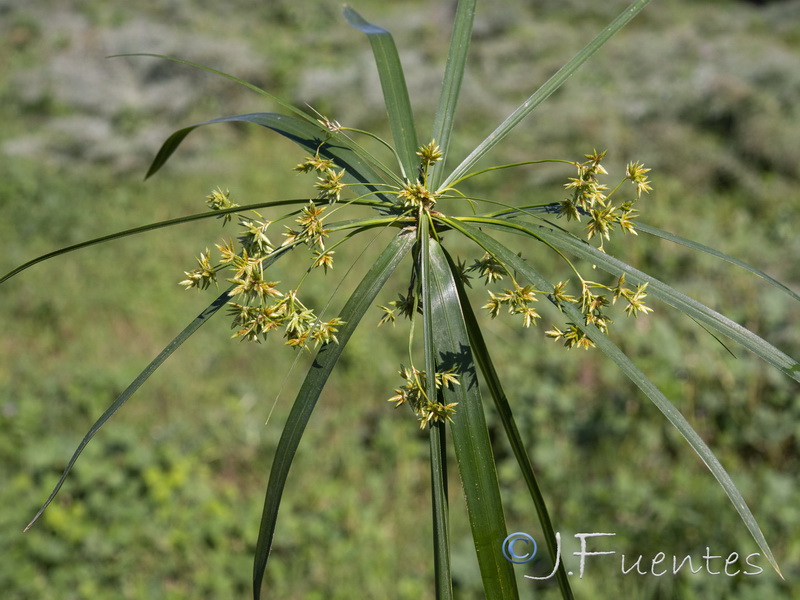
pixel 165 501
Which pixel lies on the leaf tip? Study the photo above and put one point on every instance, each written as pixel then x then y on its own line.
pixel 33 521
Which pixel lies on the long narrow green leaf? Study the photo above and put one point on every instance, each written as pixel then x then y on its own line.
pixel 671 237
pixel 307 135
pixel 544 92
pixel 470 436
pixel 486 366
pixel 522 212
pixel 602 342
pixel 306 400
pixel 451 85
pixel 694 309
pixel 202 318
pixel 441 533
pixel 304 116
pixel 395 92
pixel 338 226
pixel 145 228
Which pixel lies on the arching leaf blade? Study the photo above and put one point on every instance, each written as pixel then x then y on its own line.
pixel 144 229
pixel 519 214
pixel 338 226
pixel 309 393
pixel 486 365
pixel 395 92
pixel 469 433
pixel 691 307
pixel 610 349
pixel 309 136
pixel 198 321
pixel 671 237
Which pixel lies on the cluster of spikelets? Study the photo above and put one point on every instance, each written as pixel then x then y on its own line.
pixel 258 307
pixel 589 197
pixel 414 393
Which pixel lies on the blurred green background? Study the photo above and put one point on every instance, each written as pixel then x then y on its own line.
pixel 165 502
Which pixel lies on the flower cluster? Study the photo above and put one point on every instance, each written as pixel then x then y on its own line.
pixel 405 305
pixel 301 325
pixel 414 393
pixel 518 300
pixel 311 230
pixel 416 195
pixel 329 182
pixel 488 267
pixel 203 276
pixel 429 154
pixel 589 198
pixel 254 238
pixel 592 304
pixel 260 307
pixel 219 200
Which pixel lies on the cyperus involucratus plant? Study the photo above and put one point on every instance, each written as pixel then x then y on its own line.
pixel 420 196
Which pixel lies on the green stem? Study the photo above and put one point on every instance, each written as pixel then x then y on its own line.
pixel 440 509
pixel 441 534
pixel 509 166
